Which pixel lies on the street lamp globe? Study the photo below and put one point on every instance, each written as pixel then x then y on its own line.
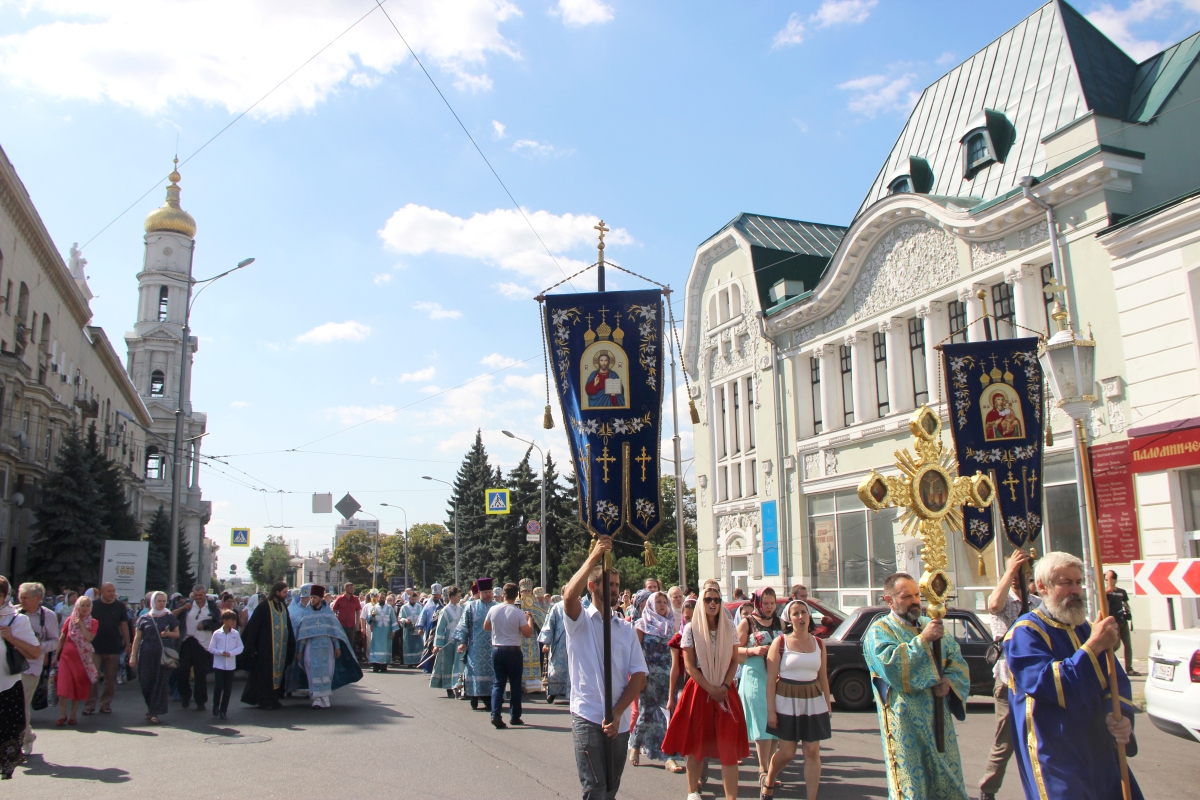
pixel 1069 362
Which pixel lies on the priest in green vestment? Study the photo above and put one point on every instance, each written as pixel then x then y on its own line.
pixel 904 676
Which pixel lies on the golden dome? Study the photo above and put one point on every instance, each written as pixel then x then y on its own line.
pixel 170 217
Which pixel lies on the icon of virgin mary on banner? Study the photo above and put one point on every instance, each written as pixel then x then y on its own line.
pixel 606 356
pixel 997 414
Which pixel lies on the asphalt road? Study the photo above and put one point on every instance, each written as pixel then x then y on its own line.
pixel 391 736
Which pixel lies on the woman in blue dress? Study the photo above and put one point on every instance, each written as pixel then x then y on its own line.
pixel 755 634
pixel 655 627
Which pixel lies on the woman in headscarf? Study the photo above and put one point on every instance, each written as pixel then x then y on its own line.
pixel 654 627
pixel 153 630
pixel 446 664
pixel 679 677
pixel 798 699
pixel 76 672
pixel 755 634
pixel 381 621
pixel 16 633
pixel 708 722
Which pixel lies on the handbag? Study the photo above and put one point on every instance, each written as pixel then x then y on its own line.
pixel 17 663
pixel 994 652
pixel 170 656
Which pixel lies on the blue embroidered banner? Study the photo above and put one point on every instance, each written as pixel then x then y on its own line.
pixel 996 419
pixel 606 355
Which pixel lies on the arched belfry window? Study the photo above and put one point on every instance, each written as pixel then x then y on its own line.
pixel 154 464
pixel 163 296
pixel 157 383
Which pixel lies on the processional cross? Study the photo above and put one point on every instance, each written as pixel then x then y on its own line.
pixel 932 494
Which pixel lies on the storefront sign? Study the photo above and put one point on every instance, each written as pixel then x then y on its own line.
pixel 1166 450
pixel 1116 505
pixel 770 539
pixel 825 546
pixel 124 566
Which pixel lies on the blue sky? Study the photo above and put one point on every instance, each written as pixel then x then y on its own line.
pixel 391 267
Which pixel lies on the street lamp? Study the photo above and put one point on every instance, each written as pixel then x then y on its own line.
pixel 405 541
pixel 1069 361
pixel 542 534
pixel 454 500
pixel 185 392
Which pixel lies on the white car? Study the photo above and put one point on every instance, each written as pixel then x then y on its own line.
pixel 1173 685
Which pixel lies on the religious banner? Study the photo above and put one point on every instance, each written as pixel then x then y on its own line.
pixel 996 417
pixel 606 356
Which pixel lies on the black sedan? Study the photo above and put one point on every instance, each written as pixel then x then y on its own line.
pixel 850 680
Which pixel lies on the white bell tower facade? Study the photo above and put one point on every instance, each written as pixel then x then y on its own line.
pixel 154 348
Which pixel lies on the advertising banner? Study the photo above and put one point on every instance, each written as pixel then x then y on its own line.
pixel 124 566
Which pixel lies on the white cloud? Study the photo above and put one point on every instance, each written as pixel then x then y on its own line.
pixel 420 376
pixel 514 290
pixel 881 93
pixel 350 331
pixel 828 15
pixel 352 415
pixel 152 54
pixel 531 148
pixel 1117 24
pixel 436 311
pixel 577 13
pixel 238 404
pixel 382 278
pixel 498 129
pixel 946 59
pixel 499 238
pixel 497 361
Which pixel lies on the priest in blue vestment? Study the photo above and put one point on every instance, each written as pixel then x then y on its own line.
pixel 475 644
pixel 1060 693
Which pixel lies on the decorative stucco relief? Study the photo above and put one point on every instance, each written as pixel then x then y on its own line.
pixel 984 254
pixel 1028 237
pixel 908 261
pixel 812 466
pixel 733 349
pixel 830 462
pixel 807 333
pixel 748 523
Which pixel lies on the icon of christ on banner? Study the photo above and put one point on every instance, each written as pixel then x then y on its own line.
pixel 604 387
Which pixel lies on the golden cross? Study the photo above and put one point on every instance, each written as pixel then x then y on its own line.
pixel 1011 482
pixel 643 460
pixel 1031 484
pixel 932 494
pixel 603 230
pixel 605 460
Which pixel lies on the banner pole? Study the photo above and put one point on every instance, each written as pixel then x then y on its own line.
pixel 606 591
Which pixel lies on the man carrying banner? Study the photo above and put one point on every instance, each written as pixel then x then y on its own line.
pixel 1061 693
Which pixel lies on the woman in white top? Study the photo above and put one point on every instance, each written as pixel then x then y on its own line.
pixel 798 699
pixel 15 633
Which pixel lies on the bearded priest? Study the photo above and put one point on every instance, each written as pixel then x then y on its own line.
pixel 1060 693
pixel 905 677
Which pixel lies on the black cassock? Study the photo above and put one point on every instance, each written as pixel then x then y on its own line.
pixel 258 654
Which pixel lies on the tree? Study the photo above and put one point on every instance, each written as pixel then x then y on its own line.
pixel 185 579
pixel 69 527
pixel 355 554
pixel 474 477
pixel 158 556
pixel 429 544
pixel 270 563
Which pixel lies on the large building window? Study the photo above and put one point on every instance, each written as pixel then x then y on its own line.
pixel 1061 499
pixel 814 366
pixel 157 383
pixel 734 436
pixel 847 385
pixel 154 464
pixel 163 296
pixel 850 550
pixel 1002 310
pixel 916 352
pixel 879 343
pixel 958 321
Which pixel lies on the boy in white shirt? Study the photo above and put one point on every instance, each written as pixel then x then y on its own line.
pixel 224 646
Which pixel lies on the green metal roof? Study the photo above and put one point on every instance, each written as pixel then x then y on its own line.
pixel 1158 77
pixel 1149 212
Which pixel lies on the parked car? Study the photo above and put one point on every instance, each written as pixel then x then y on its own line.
pixel 825 619
pixel 849 678
pixel 1173 685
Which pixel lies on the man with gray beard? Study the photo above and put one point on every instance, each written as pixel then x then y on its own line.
pixel 1060 692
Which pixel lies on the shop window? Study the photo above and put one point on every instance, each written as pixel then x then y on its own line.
pixel 916 352
pixel 1061 501
pixel 849 547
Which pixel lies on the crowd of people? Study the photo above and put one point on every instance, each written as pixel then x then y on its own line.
pixel 696 680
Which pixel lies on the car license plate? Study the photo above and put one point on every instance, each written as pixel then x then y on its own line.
pixel 1164 672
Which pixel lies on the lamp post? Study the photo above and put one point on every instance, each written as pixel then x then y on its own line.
pixel 542 521
pixel 457 582
pixel 185 396
pixel 375 561
pixel 405 513
pixel 1070 363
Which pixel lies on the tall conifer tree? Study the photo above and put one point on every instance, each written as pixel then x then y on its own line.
pixel 474 476
pixel 68 534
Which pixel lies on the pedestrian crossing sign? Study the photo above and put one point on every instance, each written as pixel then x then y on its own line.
pixel 240 537
pixel 497 501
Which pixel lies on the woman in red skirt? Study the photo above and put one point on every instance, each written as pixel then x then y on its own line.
pixel 708 721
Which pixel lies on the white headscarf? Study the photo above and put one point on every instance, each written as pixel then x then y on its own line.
pixel 651 622
pixel 154 612
pixel 713 660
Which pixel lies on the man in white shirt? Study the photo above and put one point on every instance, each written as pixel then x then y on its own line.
pixel 585 659
pixel 43 623
pixel 198 619
pixel 507 624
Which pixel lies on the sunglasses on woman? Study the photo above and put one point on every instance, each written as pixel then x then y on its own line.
pixel 712 601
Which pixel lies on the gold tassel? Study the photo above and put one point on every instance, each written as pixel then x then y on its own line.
pixel 608 561
pixel 547 419
pixel 649 556
pixel 1049 436
pixel 695 413
pixel 982 566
